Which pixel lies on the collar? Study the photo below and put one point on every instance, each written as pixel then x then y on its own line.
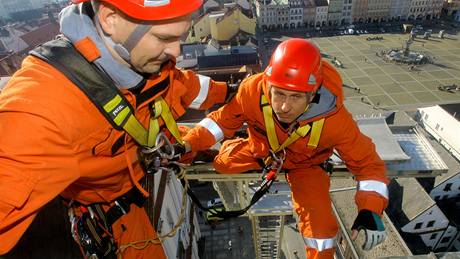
pixel 76 24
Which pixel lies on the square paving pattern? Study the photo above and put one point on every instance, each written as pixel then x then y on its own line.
pixel 387 85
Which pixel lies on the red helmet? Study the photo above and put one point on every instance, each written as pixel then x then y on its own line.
pixel 295 65
pixel 152 10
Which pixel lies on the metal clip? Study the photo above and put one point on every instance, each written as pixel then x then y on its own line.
pixel 121 208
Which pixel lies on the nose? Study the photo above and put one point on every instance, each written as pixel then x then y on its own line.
pixel 285 107
pixel 173 49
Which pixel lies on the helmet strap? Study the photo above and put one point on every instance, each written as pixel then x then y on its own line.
pixel 124 49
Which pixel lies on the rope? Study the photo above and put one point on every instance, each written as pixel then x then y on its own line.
pixel 141 244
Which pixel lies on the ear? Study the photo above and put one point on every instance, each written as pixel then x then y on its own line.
pixel 108 17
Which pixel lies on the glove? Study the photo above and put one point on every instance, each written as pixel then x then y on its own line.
pixel 179 151
pixel 373 227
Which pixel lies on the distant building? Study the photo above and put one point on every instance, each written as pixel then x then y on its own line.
pixel 425 10
pixel 347 12
pixel 442 121
pixel 309 13
pixel 334 15
pixel 452 8
pixel 378 10
pixel 295 13
pixel 399 10
pixel 359 11
pixel 321 13
pixel 272 14
pixel 212 58
pixel 422 223
pixel 222 25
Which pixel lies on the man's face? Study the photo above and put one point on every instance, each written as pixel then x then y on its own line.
pixel 158 45
pixel 288 105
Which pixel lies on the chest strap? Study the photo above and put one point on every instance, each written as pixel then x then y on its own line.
pixel 104 94
pixel 316 129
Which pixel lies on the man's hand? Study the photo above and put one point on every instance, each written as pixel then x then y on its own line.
pixel 180 150
pixel 373 227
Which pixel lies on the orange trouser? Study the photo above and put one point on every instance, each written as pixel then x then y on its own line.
pixel 136 226
pixel 310 193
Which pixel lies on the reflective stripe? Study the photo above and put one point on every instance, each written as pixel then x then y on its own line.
pixel 212 127
pixel 319 244
pixel 204 89
pixel 374 186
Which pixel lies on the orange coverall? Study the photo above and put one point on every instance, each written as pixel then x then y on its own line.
pixel 56 142
pixel 308 181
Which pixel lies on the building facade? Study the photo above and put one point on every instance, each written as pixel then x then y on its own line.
pixel 378 10
pixel 334 12
pixel 359 11
pixel 272 14
pixel 425 10
pixel 295 13
pixel 321 13
pixel 309 13
pixel 347 8
pixel 451 7
pixel 399 10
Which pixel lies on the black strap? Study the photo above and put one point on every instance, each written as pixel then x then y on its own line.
pixel 159 199
pixel 263 189
pixel 96 85
pixel 123 205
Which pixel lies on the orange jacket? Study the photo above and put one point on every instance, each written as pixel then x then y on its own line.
pixel 339 132
pixel 56 142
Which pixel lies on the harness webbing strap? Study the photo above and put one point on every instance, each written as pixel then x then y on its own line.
pixel 300 132
pixel 316 133
pixel 103 93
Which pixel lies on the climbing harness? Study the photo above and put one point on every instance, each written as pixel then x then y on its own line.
pixel 91 230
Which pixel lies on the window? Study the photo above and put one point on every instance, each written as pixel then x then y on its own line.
pixel 418 225
pixel 448 187
pixel 430 224
pixel 445 239
pixel 433 236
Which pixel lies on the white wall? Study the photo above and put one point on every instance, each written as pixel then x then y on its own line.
pixel 431 220
pixel 443 126
pixel 448 189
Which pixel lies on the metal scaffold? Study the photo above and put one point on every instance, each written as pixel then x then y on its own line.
pixel 407 153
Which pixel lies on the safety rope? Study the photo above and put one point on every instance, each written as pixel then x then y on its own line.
pixel 142 244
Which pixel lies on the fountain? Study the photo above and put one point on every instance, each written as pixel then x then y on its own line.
pixel 405 55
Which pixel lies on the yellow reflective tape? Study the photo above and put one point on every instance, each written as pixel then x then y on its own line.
pixel 108 107
pixel 300 132
pixel 121 116
pixel 136 130
pixel 154 129
pixel 169 120
pixel 158 107
pixel 269 124
pixel 316 133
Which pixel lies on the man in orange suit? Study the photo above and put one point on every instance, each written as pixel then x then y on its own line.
pixel 294 110
pixel 62 134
